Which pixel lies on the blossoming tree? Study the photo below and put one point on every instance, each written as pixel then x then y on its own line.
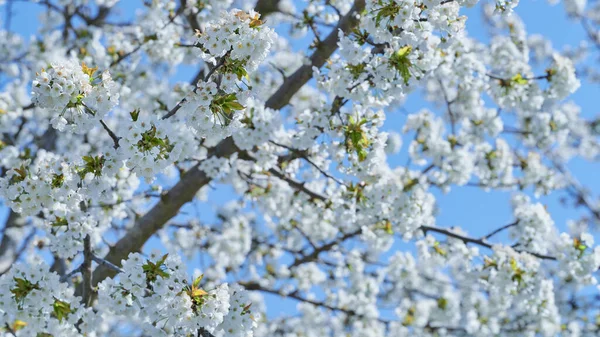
pixel 100 152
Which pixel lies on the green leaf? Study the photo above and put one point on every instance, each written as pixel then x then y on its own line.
pixel 387 12
pixel 404 51
pixel 22 289
pixel 489 263
pixel 362 155
pixel 388 227
pixel 18 325
pixel 61 309
pixel 57 180
pixel 152 37
pixel 442 303
pixel 92 165
pixel 356 70
pixel 223 106
pixel 356 138
pixel 60 222
pixel 154 270
pixel 162 260
pixel 518 79
pixel 198 280
pixel 400 61
pixel 439 250
pixel 135 114
pixel 235 105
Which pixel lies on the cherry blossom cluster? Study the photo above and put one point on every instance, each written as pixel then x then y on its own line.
pixel 67 197
pixel 534 228
pixel 239 41
pixel 34 302
pixel 147 145
pixel 77 98
pixel 155 291
pixel 158 293
pixel 213 113
pixel 295 178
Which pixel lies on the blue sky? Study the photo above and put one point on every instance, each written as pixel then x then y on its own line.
pixel 475 210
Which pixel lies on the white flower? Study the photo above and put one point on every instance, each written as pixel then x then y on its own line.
pixel 561 76
pixel 76 99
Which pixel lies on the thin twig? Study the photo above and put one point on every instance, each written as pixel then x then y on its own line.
pixel 326 247
pixel 71 274
pixel 103 262
pixel 212 70
pixel 112 135
pixel 499 230
pixel 306 237
pixel 9 15
pixel 480 242
pixel 448 105
pixel 9 329
pixel 298 185
pixel 496 77
pixel 216 67
pixel 296 296
pixel 139 46
pixel 303 154
pixel 194 179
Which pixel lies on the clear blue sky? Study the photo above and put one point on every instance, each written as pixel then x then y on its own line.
pixel 473 209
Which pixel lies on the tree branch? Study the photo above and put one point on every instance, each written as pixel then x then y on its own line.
pixel 103 262
pixel 166 208
pixel 296 296
pixel 480 242
pixel 185 190
pixel 298 185
pixel 86 272
pixel 328 246
pixel 266 7
pixel 74 272
pixel 498 230
pixel 112 135
pixel 324 50
pixel 9 245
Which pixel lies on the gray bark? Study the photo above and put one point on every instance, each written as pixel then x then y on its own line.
pixel 194 179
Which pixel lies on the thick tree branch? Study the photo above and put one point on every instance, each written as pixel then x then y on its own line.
pixel 191 18
pixel 324 50
pixel 266 7
pixel 194 179
pixel 168 206
pixel 86 271
pixel 9 246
